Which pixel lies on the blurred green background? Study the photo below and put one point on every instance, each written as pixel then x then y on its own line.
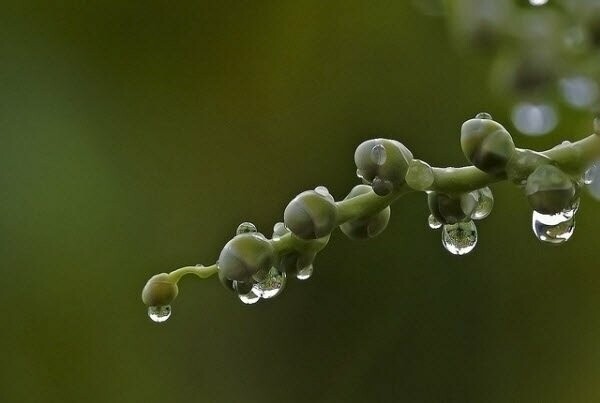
pixel 135 136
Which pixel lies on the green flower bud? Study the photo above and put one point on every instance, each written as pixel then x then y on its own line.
pixel 225 282
pixel 366 227
pixel 486 144
pixel 311 215
pixel 450 209
pixel 159 290
pixel 383 163
pixel 549 190
pixel 245 255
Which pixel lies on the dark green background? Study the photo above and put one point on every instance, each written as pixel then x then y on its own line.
pixel 135 136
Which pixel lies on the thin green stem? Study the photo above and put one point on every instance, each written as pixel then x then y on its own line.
pixel 571 157
pixel 200 271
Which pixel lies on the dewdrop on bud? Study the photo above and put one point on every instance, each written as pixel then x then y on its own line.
pixel 311 215
pixel 158 293
pixel 486 144
pixel 365 227
pixel 383 163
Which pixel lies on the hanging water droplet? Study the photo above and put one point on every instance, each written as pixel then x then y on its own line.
pixel 322 191
pixel 271 286
pixel 246 292
pixel 459 238
pixel 433 222
pixel 305 273
pixel 378 154
pixel 538 2
pixel 485 204
pixel 245 227
pixel 553 229
pixel 159 314
pixel 483 115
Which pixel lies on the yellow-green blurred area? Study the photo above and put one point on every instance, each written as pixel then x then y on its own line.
pixel 135 137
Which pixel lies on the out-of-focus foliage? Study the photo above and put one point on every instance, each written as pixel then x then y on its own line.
pixel 136 136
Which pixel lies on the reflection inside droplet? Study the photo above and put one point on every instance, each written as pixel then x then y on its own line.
pixel 555 229
pixel 159 314
pixel 459 238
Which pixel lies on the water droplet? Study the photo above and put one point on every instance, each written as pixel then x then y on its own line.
pixel 322 191
pixel 433 222
pixel 553 229
pixel 579 91
pixel 534 119
pixel 459 238
pixel 305 273
pixel 245 227
pixel 485 203
pixel 483 115
pixel 419 175
pixel 382 187
pixel 538 2
pixel 246 294
pixel 378 154
pixel 159 314
pixel 271 286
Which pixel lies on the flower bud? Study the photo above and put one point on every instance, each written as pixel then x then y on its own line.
pixel 159 290
pixel 383 163
pixel 549 190
pixel 311 215
pixel 366 227
pixel 487 144
pixel 245 255
pixel 451 209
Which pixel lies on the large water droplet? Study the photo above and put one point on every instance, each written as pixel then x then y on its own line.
pixel 378 154
pixel 485 203
pixel 433 222
pixel 459 238
pixel 305 273
pixel 245 228
pixel 271 286
pixel 483 115
pixel 553 229
pixel 534 119
pixel 159 314
pixel 246 293
pixel 538 2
